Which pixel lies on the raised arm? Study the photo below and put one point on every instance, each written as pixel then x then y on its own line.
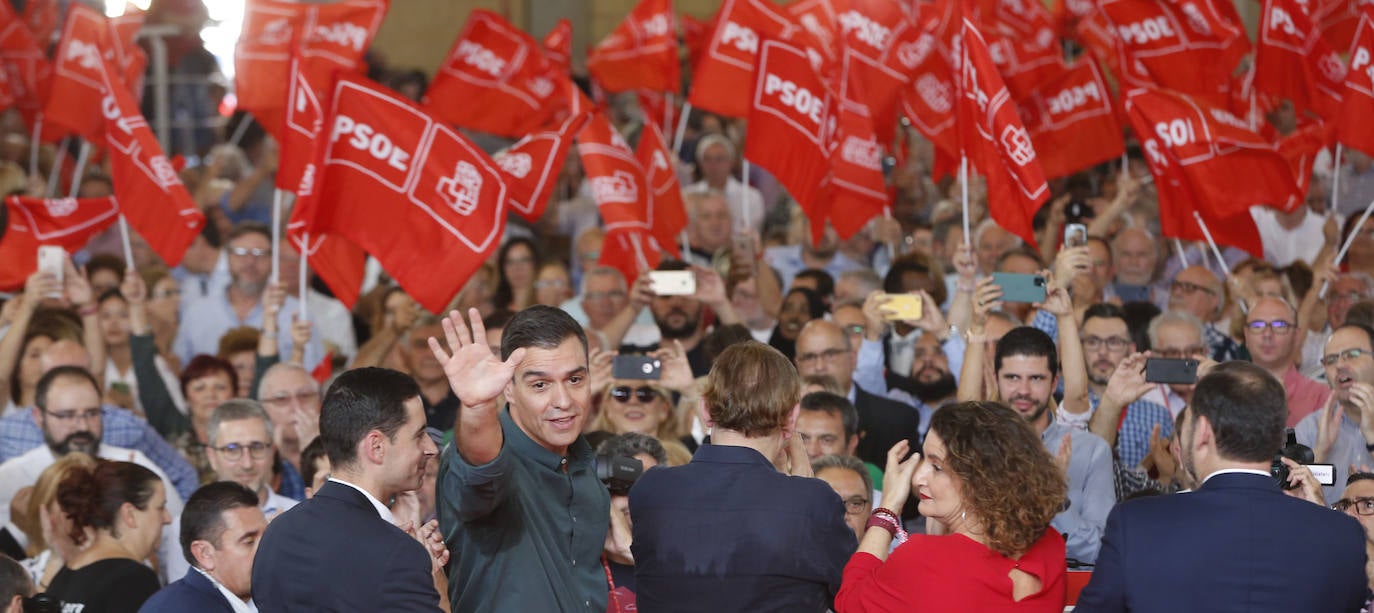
pixel 82 298
pixel 156 399
pixel 478 378
pixel 1126 385
pixel 641 293
pixel 1071 362
pixel 961 306
pixel 38 286
pixel 987 297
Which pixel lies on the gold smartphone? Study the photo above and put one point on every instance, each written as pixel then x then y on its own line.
pixel 902 307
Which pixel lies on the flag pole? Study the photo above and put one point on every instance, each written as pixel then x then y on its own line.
pixel 239 130
pixel 305 258
pixel 681 128
pixel 56 171
pixel 891 248
pixel 963 189
pixel 1213 244
pixel 686 244
pixel 640 260
pixel 277 196
pixel 746 220
pixel 667 110
pixel 81 158
pixel 33 144
pixel 1182 257
pixel 1335 198
pixel 1340 255
pixel 124 239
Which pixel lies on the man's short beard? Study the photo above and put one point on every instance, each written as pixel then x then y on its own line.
pixel 938 389
pixel 686 330
pixel 90 445
pixel 250 288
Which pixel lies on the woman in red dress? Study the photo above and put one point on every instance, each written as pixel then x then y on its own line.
pixel 988 490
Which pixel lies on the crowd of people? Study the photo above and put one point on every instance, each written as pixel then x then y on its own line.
pixel 863 423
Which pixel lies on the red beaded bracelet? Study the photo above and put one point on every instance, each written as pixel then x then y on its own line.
pixel 887 520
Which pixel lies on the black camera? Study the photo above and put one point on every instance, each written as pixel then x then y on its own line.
pixel 1294 451
pixel 1077 211
pixel 619 473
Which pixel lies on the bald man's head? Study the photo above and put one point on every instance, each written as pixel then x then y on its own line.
pixel 64 353
pixel 824 349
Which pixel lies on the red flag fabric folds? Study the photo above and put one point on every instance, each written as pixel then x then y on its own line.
pixel 558 45
pixel 531 166
pixel 668 213
pixel 409 190
pixel 25 63
pixel 995 141
pixel 76 89
pixel 67 222
pixel 496 79
pixel 641 53
pixel 1293 61
pixel 1191 47
pixel 724 77
pixel 1072 122
pixel 615 175
pixel 1357 108
pixel 336 33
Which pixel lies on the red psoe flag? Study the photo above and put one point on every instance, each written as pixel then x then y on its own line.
pixel 1357 107
pixel 630 250
pixel 668 212
pixel 66 222
pixel 927 60
pixel 558 45
pixel 41 16
pixel 1293 61
pixel 406 188
pixel 640 53
pixel 1191 47
pixel 25 63
pixel 789 127
pixel 77 82
pixel 1071 121
pixel 336 33
pixel 995 142
pixel 615 176
pixel 724 76
pixel 155 201
pixel 858 190
pixel 531 166
pixel 496 79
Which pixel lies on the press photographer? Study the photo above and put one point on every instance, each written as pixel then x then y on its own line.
pixel 620 460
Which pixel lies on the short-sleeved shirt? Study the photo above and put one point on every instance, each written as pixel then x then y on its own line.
pixel 116 585
pixel 526 529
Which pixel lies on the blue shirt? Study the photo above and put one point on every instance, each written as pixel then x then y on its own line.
pixel 1133 438
pixel 204 321
pixel 1092 490
pixel 19 434
pixel 292 485
pixel 728 532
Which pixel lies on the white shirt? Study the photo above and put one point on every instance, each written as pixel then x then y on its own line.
pixel 744 205
pixel 384 512
pixel 333 323
pixel 177 566
pixel 1283 246
pixel 235 603
pixel 112 376
pixel 23 471
pixel 1247 471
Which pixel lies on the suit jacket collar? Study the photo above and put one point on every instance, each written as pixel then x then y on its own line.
pixel 1240 481
pixel 197 581
pixel 341 492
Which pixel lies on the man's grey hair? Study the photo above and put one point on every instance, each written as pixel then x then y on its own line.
pixel 867 278
pixel 277 370
pixel 237 409
pixel 1365 280
pixel 1174 317
pixel 607 271
pixel 845 461
pixel 986 225
pixel 710 140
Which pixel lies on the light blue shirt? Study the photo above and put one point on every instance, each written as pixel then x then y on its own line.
pixel 1091 490
pixel 787 260
pixel 204 321
pixel 1347 449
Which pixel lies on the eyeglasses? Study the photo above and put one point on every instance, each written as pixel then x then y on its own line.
pixel 855 505
pixel 233 451
pixel 68 417
pixel 1115 343
pixel 1180 353
pixel 301 397
pixel 1347 297
pixel 245 251
pixel 550 284
pixel 168 293
pixel 827 355
pixel 1363 505
pixel 1349 355
pixel 855 329
pixel 644 395
pixel 1190 288
pixel 1280 327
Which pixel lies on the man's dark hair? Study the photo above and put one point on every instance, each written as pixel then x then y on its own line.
pixel 360 401
pixel 248 227
pixel 915 263
pixel 1247 409
pixel 1361 313
pixel 540 326
pixel 203 517
pixel 1368 332
pixel 830 404
pixel 1357 477
pixel 14 580
pixel 210 232
pixel 1138 318
pixel 45 383
pixel 825 284
pixel 106 261
pixel 631 444
pixel 309 456
pixel 714 343
pixel 1104 310
pixel 1021 252
pixel 1105 245
pixel 1026 341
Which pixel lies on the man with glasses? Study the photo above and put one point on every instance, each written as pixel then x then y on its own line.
pixel 1197 291
pixel 849 477
pixel 292 400
pixel 1343 433
pixel 205 320
pixel 824 349
pixel 1119 413
pixel 1345 291
pixel 1270 336
pixel 240 449
pixel 1358 501
pixel 67 408
pixel 1177 335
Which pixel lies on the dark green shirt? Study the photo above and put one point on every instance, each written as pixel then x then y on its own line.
pixel 524 533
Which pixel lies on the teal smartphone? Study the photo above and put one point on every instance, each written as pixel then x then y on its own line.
pixel 1020 287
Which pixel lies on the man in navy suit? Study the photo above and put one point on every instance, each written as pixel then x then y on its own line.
pixel 220 529
pixel 344 550
pixel 1237 543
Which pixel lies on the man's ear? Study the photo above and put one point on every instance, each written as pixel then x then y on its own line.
pixel 15 605
pixel 373 447
pixel 704 414
pixel 204 553
pixel 37 416
pixel 792 417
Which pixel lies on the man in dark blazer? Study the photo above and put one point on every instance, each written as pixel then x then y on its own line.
pixel 823 348
pixel 343 550
pixel 1237 543
pixel 220 529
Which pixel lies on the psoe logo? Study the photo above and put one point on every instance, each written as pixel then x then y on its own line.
pixel 1017 143
pixel 462 191
pixel 163 171
pixel 60 207
pixel 861 152
pixel 935 93
pixel 481 58
pixel 276 32
pixel 912 53
pixel 516 164
pixel 343 33
pixel 619 188
pixel 86 56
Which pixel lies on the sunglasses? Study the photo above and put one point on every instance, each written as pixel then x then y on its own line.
pixel 644 395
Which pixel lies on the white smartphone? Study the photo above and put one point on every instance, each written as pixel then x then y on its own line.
pixel 673 282
pixel 52 260
pixel 1075 235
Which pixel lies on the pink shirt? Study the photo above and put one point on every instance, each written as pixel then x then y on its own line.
pixel 1305 396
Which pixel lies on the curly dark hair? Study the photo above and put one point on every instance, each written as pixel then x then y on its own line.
pixel 1008 478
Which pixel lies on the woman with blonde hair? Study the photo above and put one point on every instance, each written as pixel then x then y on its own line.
pixel 44 523
pixel 988 490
